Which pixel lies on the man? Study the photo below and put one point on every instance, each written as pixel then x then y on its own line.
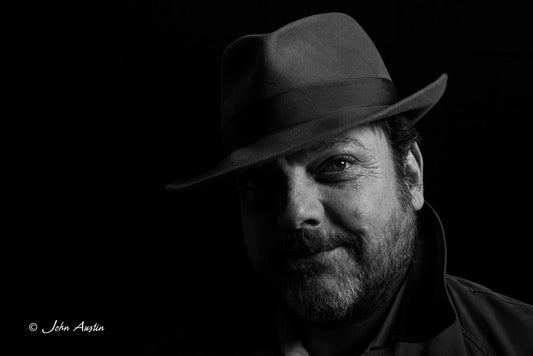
pixel 330 181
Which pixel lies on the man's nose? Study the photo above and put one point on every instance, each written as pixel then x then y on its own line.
pixel 300 206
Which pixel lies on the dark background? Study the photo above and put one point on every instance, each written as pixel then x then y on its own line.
pixel 104 103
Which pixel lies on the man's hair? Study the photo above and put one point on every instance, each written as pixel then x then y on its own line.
pixel 401 135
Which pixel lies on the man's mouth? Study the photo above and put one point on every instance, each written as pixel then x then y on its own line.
pixel 310 256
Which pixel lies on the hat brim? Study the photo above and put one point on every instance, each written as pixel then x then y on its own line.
pixel 413 107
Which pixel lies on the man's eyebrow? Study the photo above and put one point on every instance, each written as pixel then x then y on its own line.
pixel 331 143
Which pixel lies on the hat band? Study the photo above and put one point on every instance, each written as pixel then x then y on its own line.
pixel 304 104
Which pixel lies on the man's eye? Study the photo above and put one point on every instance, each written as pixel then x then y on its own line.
pixel 336 164
pixel 253 182
pixel 339 165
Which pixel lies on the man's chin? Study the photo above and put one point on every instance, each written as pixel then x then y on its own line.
pixel 327 284
pixel 323 299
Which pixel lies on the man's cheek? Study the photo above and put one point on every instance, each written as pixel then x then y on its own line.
pixel 257 247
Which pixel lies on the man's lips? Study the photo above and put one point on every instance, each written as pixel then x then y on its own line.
pixel 308 256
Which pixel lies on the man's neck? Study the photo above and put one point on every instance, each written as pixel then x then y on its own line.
pixel 352 339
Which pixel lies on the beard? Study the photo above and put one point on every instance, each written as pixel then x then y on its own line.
pixel 354 280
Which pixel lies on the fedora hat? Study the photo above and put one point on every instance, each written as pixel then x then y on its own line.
pixel 309 80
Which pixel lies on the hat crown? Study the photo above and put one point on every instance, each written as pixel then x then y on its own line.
pixel 315 50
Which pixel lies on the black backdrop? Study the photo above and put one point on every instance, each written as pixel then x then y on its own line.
pixel 104 103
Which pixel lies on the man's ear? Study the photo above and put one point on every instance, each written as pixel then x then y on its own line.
pixel 414 173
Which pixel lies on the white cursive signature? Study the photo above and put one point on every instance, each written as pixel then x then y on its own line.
pixel 60 327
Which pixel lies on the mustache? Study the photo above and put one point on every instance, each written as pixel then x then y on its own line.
pixel 305 242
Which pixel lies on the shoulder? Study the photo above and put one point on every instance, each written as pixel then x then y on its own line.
pixel 480 297
pixel 492 320
pixel 229 331
pixel 193 340
pixel 178 342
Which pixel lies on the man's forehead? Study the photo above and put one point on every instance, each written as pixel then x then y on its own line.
pixel 360 138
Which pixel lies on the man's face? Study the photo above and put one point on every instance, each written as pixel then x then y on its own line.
pixel 330 226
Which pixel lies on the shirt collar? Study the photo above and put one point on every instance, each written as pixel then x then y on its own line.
pixel 425 308
pixel 289 342
pixel 421 308
pixel 382 338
